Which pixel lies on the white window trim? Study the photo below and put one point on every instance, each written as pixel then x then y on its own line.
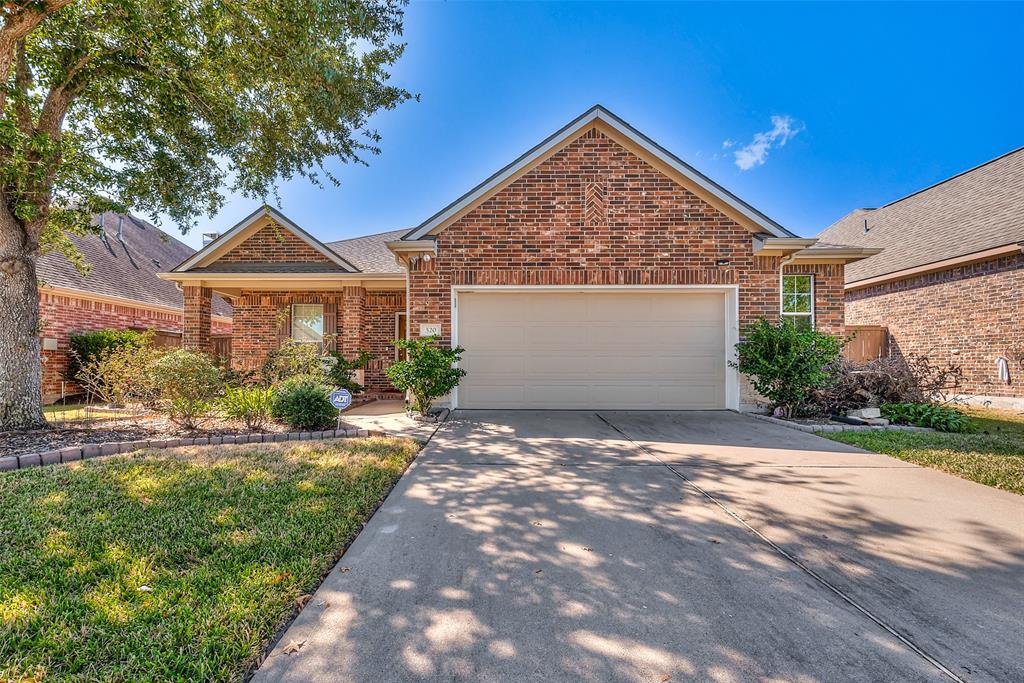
pixel 291 323
pixel 782 311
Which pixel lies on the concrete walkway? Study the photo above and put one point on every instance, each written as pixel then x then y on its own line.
pixel 581 546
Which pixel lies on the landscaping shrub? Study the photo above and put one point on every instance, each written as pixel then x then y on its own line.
pixel 87 347
pixel 934 415
pixel 340 374
pixel 121 375
pixel 187 382
pixel 249 404
pixel 786 364
pixel 427 372
pixel 292 360
pixel 303 402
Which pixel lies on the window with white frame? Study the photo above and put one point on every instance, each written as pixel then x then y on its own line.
pixel 308 323
pixel 798 300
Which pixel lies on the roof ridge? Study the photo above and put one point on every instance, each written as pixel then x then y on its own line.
pixel 372 234
pixel 950 178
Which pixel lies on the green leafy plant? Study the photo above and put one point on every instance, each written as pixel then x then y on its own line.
pixel 786 364
pixel 87 347
pixel 187 382
pixel 295 360
pixel 427 372
pixel 303 402
pixel 121 375
pixel 934 415
pixel 252 405
pixel 340 374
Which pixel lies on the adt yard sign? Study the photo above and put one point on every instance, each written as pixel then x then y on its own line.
pixel 341 399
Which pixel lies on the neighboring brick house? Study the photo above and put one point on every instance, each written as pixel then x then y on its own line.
pixel 949 282
pixel 597 270
pixel 120 291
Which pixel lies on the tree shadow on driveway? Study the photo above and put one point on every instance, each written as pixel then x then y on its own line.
pixel 564 546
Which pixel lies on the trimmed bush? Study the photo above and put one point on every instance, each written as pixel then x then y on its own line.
pixel 88 347
pixel 427 372
pixel 187 382
pixel 303 402
pixel 252 405
pixel 786 364
pixel 940 417
pixel 340 374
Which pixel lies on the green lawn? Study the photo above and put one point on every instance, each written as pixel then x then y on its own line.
pixel 993 455
pixel 179 564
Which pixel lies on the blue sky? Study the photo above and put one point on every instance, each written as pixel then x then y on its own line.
pixel 856 105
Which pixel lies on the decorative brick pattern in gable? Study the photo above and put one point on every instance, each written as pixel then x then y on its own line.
pixel 969 316
pixel 542 230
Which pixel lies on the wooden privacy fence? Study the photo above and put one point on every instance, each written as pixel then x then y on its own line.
pixel 869 342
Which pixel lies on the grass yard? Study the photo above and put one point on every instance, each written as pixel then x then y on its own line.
pixel 175 565
pixel 993 455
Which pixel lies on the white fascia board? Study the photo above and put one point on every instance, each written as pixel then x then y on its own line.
pixel 598 113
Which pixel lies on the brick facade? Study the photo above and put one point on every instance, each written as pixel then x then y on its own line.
pixel 64 315
pixel 273 243
pixel 969 316
pixel 364 320
pixel 596 214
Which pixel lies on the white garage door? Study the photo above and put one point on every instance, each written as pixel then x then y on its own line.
pixel 637 350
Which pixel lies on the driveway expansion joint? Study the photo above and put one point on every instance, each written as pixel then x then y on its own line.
pixel 821 580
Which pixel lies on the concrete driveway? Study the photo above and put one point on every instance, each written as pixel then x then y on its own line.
pixel 582 546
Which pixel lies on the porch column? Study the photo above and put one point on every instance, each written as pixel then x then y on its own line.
pixel 353 329
pixel 196 328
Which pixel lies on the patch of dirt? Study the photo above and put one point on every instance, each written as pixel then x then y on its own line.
pixel 137 428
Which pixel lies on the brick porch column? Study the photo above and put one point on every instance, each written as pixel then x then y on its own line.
pixel 196 336
pixel 353 330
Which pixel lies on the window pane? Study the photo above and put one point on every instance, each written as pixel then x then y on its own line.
pixel 801 303
pixel 802 322
pixel 802 284
pixel 789 303
pixel 308 323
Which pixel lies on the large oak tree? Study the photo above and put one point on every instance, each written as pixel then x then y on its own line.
pixel 160 106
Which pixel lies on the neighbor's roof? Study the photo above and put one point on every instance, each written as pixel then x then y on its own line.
pixel 370 253
pixel 979 209
pixel 124 268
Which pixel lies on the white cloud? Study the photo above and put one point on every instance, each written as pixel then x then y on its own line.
pixel 784 128
pixel 726 144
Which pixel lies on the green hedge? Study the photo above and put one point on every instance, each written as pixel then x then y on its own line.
pixel 87 346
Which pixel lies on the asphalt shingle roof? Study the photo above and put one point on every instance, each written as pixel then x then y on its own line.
pixel 276 267
pixel 124 268
pixel 370 253
pixel 977 210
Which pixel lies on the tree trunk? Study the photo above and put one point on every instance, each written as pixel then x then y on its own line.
pixel 20 372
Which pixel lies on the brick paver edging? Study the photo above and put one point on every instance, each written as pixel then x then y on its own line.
pixel 94 450
pixel 811 429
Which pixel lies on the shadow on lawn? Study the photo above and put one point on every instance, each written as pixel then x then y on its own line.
pixel 550 547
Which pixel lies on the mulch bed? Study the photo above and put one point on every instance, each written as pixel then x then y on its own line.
pixel 151 426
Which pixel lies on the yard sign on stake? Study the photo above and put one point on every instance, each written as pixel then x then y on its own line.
pixel 341 399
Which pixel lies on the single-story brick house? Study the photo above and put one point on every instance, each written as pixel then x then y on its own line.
pixel 596 270
pixel 949 282
pixel 121 291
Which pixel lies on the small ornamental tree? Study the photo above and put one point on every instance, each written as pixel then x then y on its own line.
pixel 786 364
pixel 187 382
pixel 427 371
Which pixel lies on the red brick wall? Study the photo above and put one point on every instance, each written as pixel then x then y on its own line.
pixel 595 213
pixel 969 316
pixel 63 315
pixel 273 243
pixel 257 315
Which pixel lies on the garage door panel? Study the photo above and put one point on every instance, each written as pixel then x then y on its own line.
pixel 592 350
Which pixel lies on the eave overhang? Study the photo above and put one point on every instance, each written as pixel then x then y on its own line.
pixel 945 264
pixel 780 246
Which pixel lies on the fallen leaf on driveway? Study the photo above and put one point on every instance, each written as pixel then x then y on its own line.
pixel 666 677
pixel 344 569
pixel 293 647
pixel 536 523
pixel 589 550
pixel 301 601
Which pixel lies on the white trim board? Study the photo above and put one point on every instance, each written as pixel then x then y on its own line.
pixel 572 130
pixel 730 301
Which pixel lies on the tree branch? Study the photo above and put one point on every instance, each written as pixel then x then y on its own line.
pixel 16 26
pixel 22 83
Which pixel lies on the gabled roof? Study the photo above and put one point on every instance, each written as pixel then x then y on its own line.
pixel 212 251
pixel 972 212
pixel 125 267
pixel 569 132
